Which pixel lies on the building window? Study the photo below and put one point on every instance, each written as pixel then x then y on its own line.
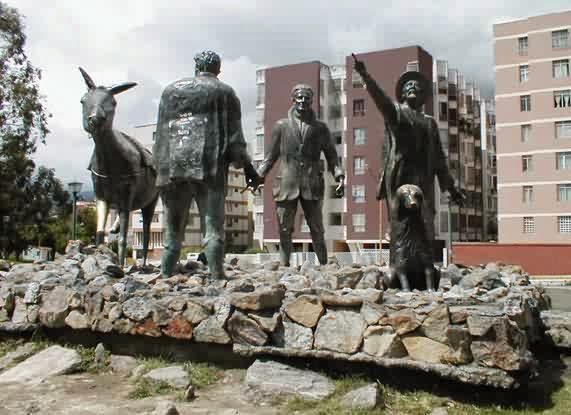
pixel 259 118
pixel 358 107
pixel 358 222
pixel 525 103
pixel 523 73
pixel 560 68
pixel 357 80
pixel 261 94
pixel 526 163
pixel 443 113
pixel 359 136
pixel 359 165
pixel 563 160
pixel 259 221
pixel 525 133
pixel 335 219
pixel 155 218
pixel 260 75
pixel 528 224
pixel 560 39
pixel 564 192
pixel 562 99
pixel 564 223
pixel 563 129
pixel 527 194
pixel 359 193
pixel 443 222
pixel 522 45
pixel 259 143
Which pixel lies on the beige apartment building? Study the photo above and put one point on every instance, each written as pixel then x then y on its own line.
pixel 533 128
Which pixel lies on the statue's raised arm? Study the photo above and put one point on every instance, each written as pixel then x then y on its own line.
pixel 383 102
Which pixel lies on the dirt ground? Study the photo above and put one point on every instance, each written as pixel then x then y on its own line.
pixel 107 394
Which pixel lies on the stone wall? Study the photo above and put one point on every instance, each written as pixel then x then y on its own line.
pixel 478 328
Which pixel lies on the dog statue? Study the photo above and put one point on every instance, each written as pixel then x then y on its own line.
pixel 411 256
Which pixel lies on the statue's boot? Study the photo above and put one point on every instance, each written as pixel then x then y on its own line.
pixel 169 259
pixel 214 251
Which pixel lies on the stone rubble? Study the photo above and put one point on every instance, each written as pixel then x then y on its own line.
pixel 481 320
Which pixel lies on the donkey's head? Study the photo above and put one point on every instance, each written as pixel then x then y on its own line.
pixel 99 104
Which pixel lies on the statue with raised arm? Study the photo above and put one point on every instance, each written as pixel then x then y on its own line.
pixel 412 149
pixel 298 141
pixel 199 134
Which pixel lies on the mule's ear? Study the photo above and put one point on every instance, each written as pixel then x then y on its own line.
pixel 117 89
pixel 88 81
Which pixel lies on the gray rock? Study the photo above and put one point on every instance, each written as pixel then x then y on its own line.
pixel 211 330
pixel 558 325
pixel 436 322
pixel 272 379
pixel 32 295
pixel 272 266
pixel 425 349
pixel 340 331
pixel 382 341
pixel 372 312
pixel 370 279
pixel 189 393
pixel 240 285
pixel 293 336
pixel 20 314
pixel 348 277
pixel 479 324
pixel 453 273
pixel 124 365
pixel 305 310
pixel 260 299
pixel 295 282
pixel 487 279
pixel 439 411
pixel 99 358
pixel 459 340
pixel 403 321
pixel 55 307
pixel 244 330
pixel 4 265
pixel 21 353
pixel 90 268
pixel 77 320
pixel 137 308
pixel 165 408
pixel 195 313
pixel 174 376
pixel 268 321
pixel 365 398
pixel 52 361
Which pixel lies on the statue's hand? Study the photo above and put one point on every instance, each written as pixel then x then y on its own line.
pixel 253 179
pixel 457 196
pixel 359 65
pixel 340 189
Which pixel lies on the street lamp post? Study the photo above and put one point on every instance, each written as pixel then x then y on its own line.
pixel 74 188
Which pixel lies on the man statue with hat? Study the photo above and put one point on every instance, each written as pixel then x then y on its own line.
pixel 412 149
pixel 199 134
pixel 298 141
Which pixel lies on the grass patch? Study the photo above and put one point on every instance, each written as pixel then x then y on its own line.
pixel 145 388
pixel 9 345
pixel 394 401
pixel 202 374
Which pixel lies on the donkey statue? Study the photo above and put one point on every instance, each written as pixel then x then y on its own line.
pixel 121 168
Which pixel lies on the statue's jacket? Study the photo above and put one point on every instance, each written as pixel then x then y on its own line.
pixel 413 155
pixel 199 131
pixel 300 171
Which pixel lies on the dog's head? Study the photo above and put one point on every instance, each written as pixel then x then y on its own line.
pixel 409 197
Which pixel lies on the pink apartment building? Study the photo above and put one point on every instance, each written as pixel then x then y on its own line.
pixel 533 123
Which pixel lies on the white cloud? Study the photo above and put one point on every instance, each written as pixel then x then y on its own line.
pixel 153 43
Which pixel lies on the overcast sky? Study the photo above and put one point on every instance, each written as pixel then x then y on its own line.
pixel 153 43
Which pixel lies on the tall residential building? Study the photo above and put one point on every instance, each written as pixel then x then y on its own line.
pixel 533 112
pixel 237 228
pixel 358 220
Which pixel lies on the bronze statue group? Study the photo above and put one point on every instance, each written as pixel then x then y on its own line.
pixel 199 135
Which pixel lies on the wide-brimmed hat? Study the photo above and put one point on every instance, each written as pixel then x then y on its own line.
pixel 413 75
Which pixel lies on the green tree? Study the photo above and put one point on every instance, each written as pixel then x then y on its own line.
pixel 23 121
pixel 87 224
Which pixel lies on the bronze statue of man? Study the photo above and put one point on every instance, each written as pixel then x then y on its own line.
pixel 412 149
pixel 199 134
pixel 297 141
